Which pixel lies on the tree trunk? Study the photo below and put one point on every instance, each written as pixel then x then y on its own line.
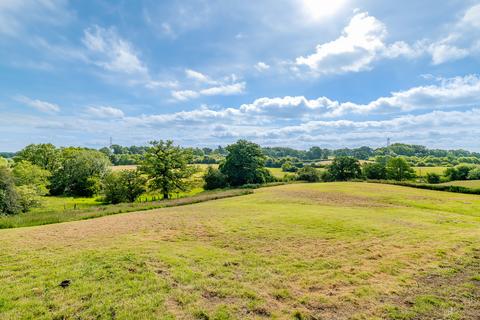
pixel 165 195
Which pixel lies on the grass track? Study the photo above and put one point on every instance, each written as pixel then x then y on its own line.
pixel 330 251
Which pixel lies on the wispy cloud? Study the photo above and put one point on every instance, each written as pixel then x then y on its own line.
pixel 39 105
pixel 105 112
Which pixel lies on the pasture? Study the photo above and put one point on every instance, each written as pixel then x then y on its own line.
pixel 474 184
pixel 422 171
pixel 299 251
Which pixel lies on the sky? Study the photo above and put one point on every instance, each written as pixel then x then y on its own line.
pixel 296 73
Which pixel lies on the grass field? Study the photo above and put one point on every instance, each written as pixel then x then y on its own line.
pixel 300 251
pixel 422 171
pixel 464 183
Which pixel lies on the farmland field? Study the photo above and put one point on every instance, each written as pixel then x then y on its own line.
pixel 422 171
pixel 300 251
pixel 464 183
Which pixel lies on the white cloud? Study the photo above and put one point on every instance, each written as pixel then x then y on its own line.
pixel 472 16
pixel 225 90
pixel 197 76
pixel 204 85
pixel 105 112
pixel 262 66
pixel 40 105
pixel 16 16
pixel 361 43
pixel 114 53
pixel 448 93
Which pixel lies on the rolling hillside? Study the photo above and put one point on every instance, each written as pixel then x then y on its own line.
pixel 301 251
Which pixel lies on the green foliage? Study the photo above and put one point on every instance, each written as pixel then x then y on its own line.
pixel 460 172
pixel 28 174
pixel 375 170
pixel 28 197
pixel 167 167
pixel 3 162
pixel 9 198
pixel 289 167
pixel 309 174
pixel 214 179
pixel 244 164
pixel 344 168
pixel 123 186
pixel 433 177
pixel 45 155
pixel 80 172
pixel 474 174
pixel 398 169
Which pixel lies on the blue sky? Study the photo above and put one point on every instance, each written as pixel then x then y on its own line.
pixel 292 73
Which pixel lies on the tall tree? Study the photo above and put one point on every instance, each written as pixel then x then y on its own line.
pixel 44 155
pixel 9 198
pixel 168 167
pixel 245 163
pixel 345 168
pixel 399 169
pixel 80 172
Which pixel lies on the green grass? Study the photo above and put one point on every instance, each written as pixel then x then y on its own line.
pixel 299 251
pixel 464 183
pixel 422 171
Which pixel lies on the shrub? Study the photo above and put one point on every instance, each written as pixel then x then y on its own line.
pixel 375 170
pixel 214 179
pixel 433 177
pixel 27 197
pixel 308 173
pixel 474 174
pixel 123 186
pixel 9 199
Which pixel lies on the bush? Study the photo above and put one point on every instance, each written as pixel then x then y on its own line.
pixel 309 174
pixel 375 170
pixel 214 179
pixel 474 174
pixel 27 197
pixel 433 177
pixel 123 186
pixel 9 199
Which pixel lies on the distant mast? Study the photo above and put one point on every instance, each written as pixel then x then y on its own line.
pixel 111 143
pixel 388 142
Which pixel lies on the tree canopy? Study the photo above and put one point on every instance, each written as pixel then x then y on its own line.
pixel 167 167
pixel 245 163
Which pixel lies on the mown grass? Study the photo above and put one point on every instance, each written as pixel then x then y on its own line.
pixel 63 209
pixel 299 251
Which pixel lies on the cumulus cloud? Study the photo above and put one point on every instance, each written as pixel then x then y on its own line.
pixel 364 41
pixel 262 66
pixel 206 86
pixel 40 105
pixel 105 112
pixel 446 93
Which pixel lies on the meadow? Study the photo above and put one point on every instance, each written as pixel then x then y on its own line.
pixel 299 251
pixel 464 183
pixel 422 171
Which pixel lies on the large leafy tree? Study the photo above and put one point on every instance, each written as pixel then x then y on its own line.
pixel 28 174
pixel 245 163
pixel 44 155
pixel 167 167
pixel 80 172
pixel 345 168
pixel 399 169
pixel 375 170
